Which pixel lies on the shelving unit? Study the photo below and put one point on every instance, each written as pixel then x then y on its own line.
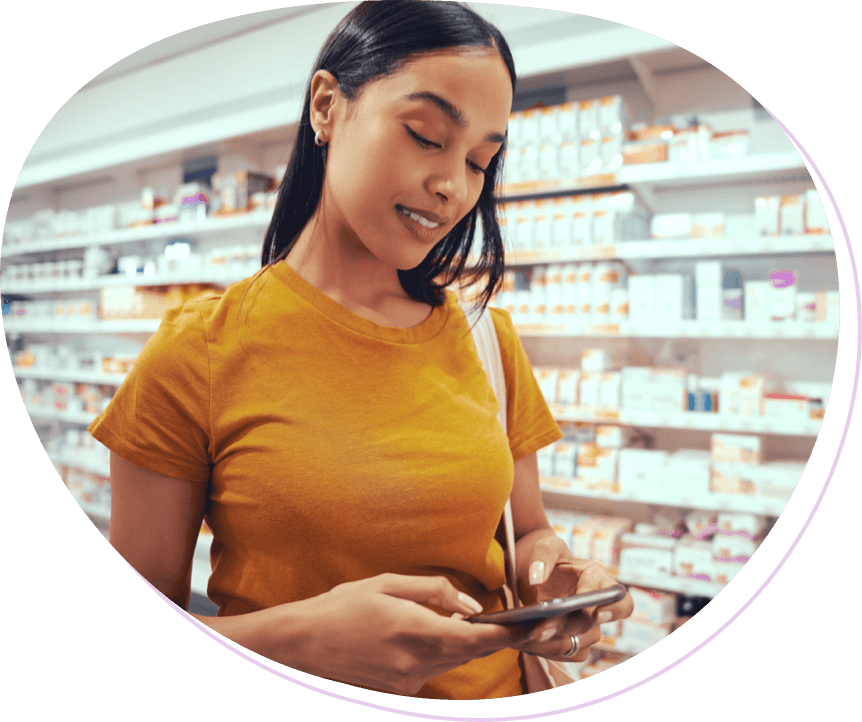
pixel 654 76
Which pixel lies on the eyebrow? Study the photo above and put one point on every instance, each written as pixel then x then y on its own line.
pixel 455 114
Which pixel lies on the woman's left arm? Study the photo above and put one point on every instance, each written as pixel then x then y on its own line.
pixel 547 569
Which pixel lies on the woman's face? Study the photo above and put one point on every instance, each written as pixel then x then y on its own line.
pixel 406 159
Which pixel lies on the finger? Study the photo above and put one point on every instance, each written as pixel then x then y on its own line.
pixel 437 591
pixel 542 561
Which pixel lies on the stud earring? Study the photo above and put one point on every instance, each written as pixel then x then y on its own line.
pixel 317 139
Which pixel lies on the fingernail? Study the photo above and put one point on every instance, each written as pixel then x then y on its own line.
pixel 547 634
pixel 468 601
pixel 605 616
pixel 537 572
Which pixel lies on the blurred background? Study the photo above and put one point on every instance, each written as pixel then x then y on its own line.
pixel 670 271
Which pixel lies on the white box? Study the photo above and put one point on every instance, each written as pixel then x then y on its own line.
pixel 610 388
pixel 635 392
pixel 646 554
pixel 806 307
pixel 726 571
pixel 828 309
pixel 589 390
pixel 792 211
pixel 595 359
pixel 588 120
pixel 639 636
pixel 671 226
pixel 708 273
pixel 688 472
pixel 547 380
pixel 548 125
pixel 733 548
pixel 693 558
pixel 757 301
pixel 782 295
pixel 737 449
pixel 641 470
pixel 673 297
pixel 709 301
pixel 816 220
pixel 589 157
pixel 750 526
pixel 707 225
pixel 565 460
pixel 642 299
pixel 766 215
pixel 567 387
pixel 653 606
pixel 619 305
pixel 545 461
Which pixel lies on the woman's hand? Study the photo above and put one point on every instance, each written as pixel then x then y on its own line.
pixel 551 571
pixel 371 633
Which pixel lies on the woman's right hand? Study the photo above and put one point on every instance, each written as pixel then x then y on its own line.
pixel 371 633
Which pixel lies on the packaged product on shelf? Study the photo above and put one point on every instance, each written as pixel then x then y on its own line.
pixel 619 305
pixel 588 120
pixel 96 262
pixel 605 541
pixel 707 225
pixel 732 479
pixel 565 460
pixel 693 558
pixel 610 436
pixel 782 295
pixel 589 157
pixel 529 133
pixel 750 394
pixel 635 392
pixel 725 571
pixel 548 162
pixel 541 224
pixel 235 190
pixel 729 144
pixel 611 153
pixel 645 554
pixel 567 121
pixel 548 128
pixel 730 548
pixel 653 606
pixel 528 164
pixel 767 215
pixel 668 389
pixel 641 471
pixel 562 217
pixel 642 292
pixel 791 408
pixel 674 296
pixel 639 636
pixel 562 523
pixel 757 301
pixel 545 461
pixel 132 303
pixel 582 222
pixel 827 307
pixel 596 359
pixel 644 151
pixel 688 473
pixel 522 226
pixel 511 165
pixel 547 379
pixel 601 305
pixel 610 390
pixel 117 364
pixel 778 479
pixel 816 220
pixel 750 526
pixel 612 115
pixel 538 296
pixel 792 215
pixel 644 131
pixel 737 448
pixel 568 387
pixel 588 392
pixel 690 145
pixel 806 307
pixel 513 130
pixel 569 160
pixel 166 213
pixel 610 632
pixel 702 524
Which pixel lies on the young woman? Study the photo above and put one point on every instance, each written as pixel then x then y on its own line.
pixel 330 418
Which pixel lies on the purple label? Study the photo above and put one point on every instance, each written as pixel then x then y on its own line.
pixel 782 279
pixel 734 303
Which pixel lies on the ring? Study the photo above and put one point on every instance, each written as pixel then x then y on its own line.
pixel 576 645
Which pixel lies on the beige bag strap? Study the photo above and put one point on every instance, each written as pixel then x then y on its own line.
pixel 488 346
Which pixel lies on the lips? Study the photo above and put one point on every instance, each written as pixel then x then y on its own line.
pixel 427 219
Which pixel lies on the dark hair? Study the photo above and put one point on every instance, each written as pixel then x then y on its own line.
pixel 373 41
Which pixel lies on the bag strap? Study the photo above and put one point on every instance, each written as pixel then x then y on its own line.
pixel 488 346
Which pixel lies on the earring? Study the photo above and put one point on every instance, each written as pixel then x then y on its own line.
pixel 317 139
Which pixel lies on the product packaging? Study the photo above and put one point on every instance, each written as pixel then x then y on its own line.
pixel 646 151
pixel 733 548
pixel 653 606
pixel 782 295
pixel 642 299
pixel 641 471
pixel 750 526
pixel 792 215
pixel 733 479
pixel 737 448
pixel 729 144
pixel 816 220
pixel 702 524
pixel 645 554
pixel 671 226
pixel 707 225
pixel 567 387
pixel 693 558
pixel 767 215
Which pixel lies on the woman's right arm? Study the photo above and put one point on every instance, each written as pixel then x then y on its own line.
pixel 369 632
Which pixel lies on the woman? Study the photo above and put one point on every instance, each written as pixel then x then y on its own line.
pixel 330 417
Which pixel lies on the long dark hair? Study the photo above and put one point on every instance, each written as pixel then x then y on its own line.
pixel 371 42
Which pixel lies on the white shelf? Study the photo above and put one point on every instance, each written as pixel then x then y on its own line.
pixel 83 377
pixel 701 421
pixel 738 503
pixel 762 167
pixel 680 585
pixel 81 463
pixel 120 280
pixel 31 325
pixel 630 250
pixel 212 229
pixel 683 329
pixel 71 417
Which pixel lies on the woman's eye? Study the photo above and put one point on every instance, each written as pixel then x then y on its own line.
pixel 424 142
pixel 476 168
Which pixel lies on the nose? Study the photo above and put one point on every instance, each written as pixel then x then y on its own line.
pixel 449 182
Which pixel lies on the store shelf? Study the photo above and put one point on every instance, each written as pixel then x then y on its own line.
pixel 82 463
pixel 69 417
pixel 763 167
pixel 67 285
pixel 630 250
pixel 83 377
pixel 700 421
pixel 32 325
pixel 225 228
pixel 739 503
pixel 668 583
pixel 683 329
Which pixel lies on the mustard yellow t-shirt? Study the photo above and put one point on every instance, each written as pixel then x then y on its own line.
pixel 335 449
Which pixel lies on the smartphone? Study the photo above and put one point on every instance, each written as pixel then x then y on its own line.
pixel 552 608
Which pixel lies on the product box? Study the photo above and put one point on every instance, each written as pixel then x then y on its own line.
pixel 687 471
pixel 737 448
pixel 729 144
pixel 646 151
pixel 132 303
pixel 806 307
pixel 690 145
pixel 778 480
pixel 668 389
pixel 641 471
pixel 827 307
pixel 568 382
pixel 548 165
pixel 545 461
pixel 562 217
pixel 782 295
pixel 653 606
pixel 751 390
pixel 693 558
pixel 589 126
pixel 816 220
pixel 611 153
pixel 732 479
pixel 708 273
pixel 757 301
pixel 610 388
pixel 612 437
pixel 671 226
pixel 733 548
pixel 542 211
pixel 619 305
pixel 590 157
pixel 750 526
pixel 707 225
pixel 644 554
pixel 792 215
pixel 639 636
pixel 595 359
pixel 635 393
pixel 548 125
pixel 725 571
pixel 547 379
pixel 565 460
pixel 611 115
pixel 790 408
pixel 702 524
pixel 568 160
pixel 642 299
pixel 567 121
pixel 605 541
pixel 674 298
pixel 767 215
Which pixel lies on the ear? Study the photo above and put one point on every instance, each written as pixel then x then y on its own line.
pixel 324 99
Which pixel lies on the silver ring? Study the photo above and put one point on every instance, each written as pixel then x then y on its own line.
pixel 317 139
pixel 576 645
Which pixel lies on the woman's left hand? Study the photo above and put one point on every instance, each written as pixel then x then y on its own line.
pixel 547 569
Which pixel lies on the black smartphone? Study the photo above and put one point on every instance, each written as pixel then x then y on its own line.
pixel 552 608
